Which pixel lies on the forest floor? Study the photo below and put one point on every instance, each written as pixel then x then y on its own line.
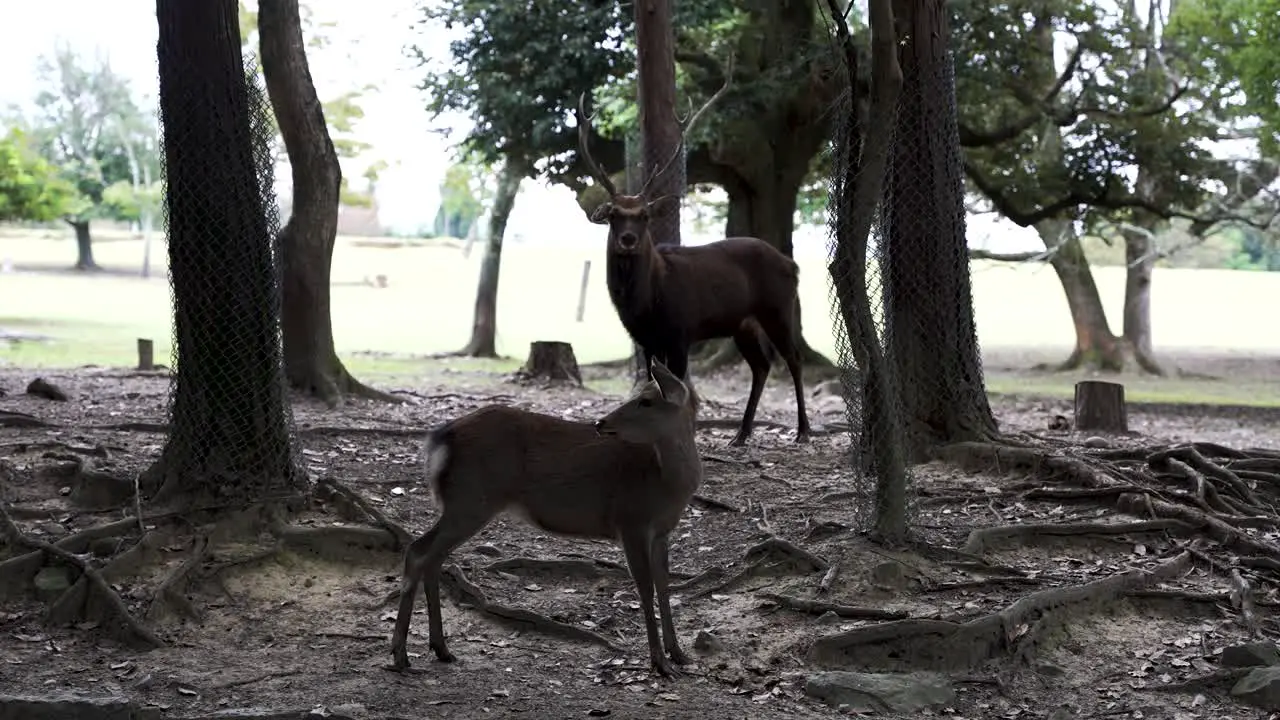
pixel 295 629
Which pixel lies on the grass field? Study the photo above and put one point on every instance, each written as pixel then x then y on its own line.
pixel 427 303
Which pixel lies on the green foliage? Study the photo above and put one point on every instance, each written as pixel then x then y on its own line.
pixel 1231 45
pixel 464 195
pixel 89 126
pixel 30 188
pixel 123 201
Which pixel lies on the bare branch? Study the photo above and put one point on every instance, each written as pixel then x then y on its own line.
pixel 1029 256
pixel 974 138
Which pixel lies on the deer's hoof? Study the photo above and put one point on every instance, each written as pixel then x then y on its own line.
pixel 443 654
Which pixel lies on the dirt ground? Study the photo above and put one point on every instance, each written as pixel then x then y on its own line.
pixel 298 630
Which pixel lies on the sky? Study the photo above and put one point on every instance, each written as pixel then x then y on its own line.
pixel 367 48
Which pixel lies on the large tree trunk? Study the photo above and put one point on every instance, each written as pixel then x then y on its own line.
pixel 84 245
pixel 1140 263
pixel 932 337
pixel 311 363
pixel 484 325
pixel 229 436
pixel 1097 348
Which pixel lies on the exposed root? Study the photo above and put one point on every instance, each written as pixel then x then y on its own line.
pixel 715 504
pixel 1218 530
pixel 12 419
pixel 331 540
pixel 1017 630
pixel 22 568
pixel 712 573
pixel 132 630
pixel 1242 599
pixel 984 582
pixel 981 539
pixel 172 589
pixel 989 457
pixel 524 619
pixel 579 568
pixel 402 536
pixel 768 555
pixel 1218 680
pixel 813 607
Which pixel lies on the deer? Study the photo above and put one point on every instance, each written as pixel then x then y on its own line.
pixel 628 477
pixel 669 296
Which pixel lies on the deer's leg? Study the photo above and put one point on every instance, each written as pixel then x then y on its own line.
pixel 638 548
pixel 662 583
pixel 786 339
pixel 450 531
pixel 749 344
pixel 413 557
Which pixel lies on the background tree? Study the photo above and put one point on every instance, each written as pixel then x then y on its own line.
pixel 310 360
pixel 30 188
pixel 462 198
pixel 229 439
pixel 89 125
pixel 759 143
pixel 342 112
pixel 484 324
pixel 1052 150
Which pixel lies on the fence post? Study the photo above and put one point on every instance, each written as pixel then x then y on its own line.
pixel 582 291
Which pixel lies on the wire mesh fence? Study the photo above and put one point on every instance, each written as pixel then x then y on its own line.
pixel 231 426
pixel 901 301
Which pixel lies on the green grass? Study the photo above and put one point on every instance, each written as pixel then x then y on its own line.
pixel 427 305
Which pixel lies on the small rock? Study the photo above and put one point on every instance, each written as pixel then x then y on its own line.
pixel 1254 654
pixel 1096 442
pixel 828 618
pixel 489 550
pixel 44 389
pixel 704 641
pixel 53 529
pixel 52 581
pixel 1062 712
pixel 351 709
pixel 888 575
pixel 1260 688
pixel 880 692
pixel 64 706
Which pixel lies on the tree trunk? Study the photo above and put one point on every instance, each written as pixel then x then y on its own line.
pixel 84 245
pixel 484 325
pixel 932 337
pixel 229 436
pixel 550 361
pixel 1096 346
pixel 659 127
pixel 311 363
pixel 1099 407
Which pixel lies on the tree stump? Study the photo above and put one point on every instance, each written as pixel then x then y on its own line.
pixel 550 361
pixel 1100 407
pixel 146 355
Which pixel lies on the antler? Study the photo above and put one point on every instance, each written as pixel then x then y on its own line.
pixel 693 120
pixel 584 134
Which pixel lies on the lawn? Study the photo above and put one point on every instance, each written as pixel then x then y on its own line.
pixel 427 303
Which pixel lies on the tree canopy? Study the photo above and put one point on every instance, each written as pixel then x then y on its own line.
pixel 30 188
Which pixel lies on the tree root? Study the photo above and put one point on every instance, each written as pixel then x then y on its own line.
pixel 23 568
pixel 1017 630
pixel 813 607
pixel 325 539
pixel 989 457
pixel 575 567
pixel 1218 530
pixel 402 536
pixel 131 630
pixel 981 539
pixel 770 554
pixel 475 597
pixel 715 504
pixel 172 588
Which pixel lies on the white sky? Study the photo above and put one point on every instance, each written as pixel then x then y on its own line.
pixel 367 48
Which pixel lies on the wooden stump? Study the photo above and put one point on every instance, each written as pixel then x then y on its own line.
pixel 550 361
pixel 146 355
pixel 1100 407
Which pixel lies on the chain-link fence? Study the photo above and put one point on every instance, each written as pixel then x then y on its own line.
pixel 231 427
pixel 902 306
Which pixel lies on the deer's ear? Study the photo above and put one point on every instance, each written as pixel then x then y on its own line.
pixel 672 388
pixel 663 205
pixel 600 215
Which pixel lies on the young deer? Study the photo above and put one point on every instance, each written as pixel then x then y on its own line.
pixel 669 297
pixel 628 478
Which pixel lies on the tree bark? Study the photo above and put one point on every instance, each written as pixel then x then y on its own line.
pixel 84 245
pixel 1099 406
pixel 311 362
pixel 484 325
pixel 659 127
pixel 932 336
pixel 229 439
pixel 1097 348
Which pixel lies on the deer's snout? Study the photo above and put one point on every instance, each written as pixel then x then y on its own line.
pixel 628 241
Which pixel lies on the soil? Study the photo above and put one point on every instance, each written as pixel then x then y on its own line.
pixel 300 630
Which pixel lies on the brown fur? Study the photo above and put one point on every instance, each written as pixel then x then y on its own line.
pixel 627 478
